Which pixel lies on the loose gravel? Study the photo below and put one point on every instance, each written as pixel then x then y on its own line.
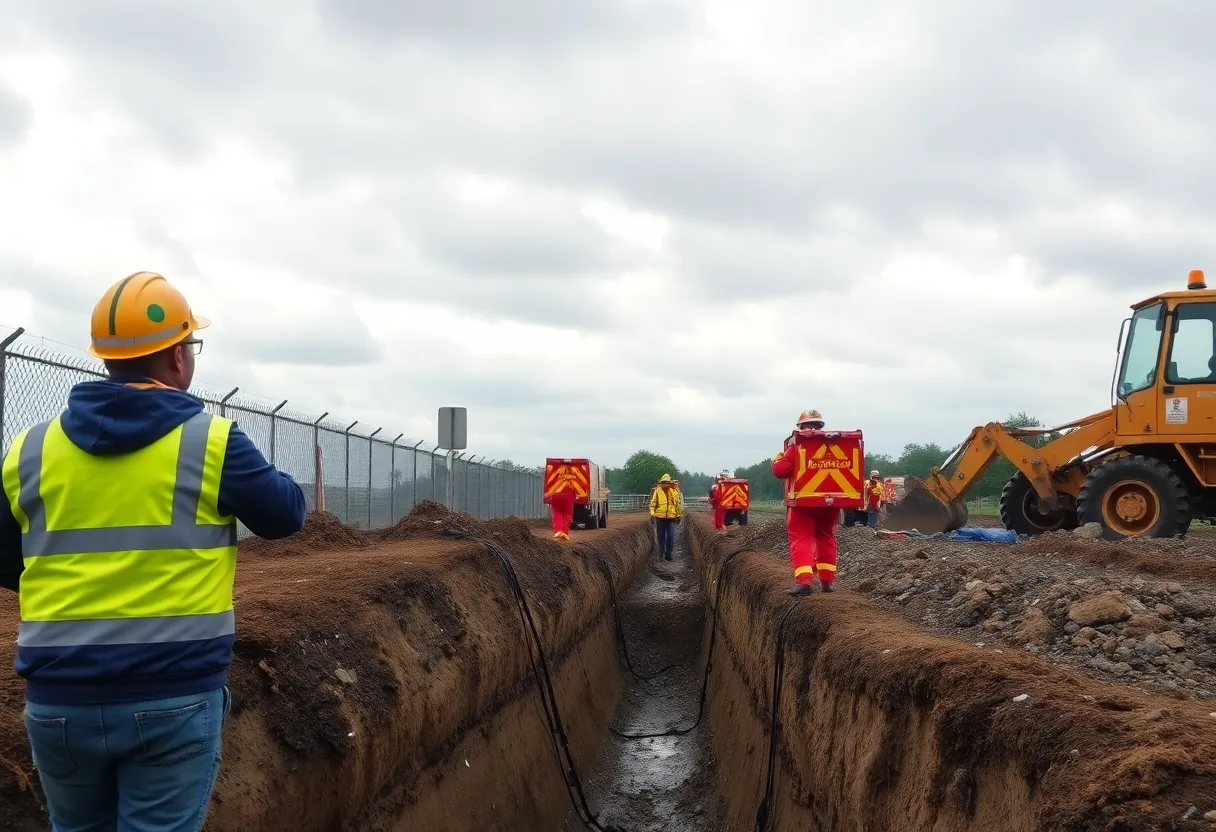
pixel 1139 613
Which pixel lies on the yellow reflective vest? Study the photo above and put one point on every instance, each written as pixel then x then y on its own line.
pixel 666 503
pixel 129 565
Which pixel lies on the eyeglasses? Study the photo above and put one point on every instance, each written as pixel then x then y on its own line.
pixel 195 345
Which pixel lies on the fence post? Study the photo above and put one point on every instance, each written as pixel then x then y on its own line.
pixel 465 467
pixel 224 401
pixel 481 489
pixel 392 481
pixel 414 481
pixel 468 490
pixel 4 345
pixel 434 484
pixel 319 485
pixel 371 447
pixel 346 516
pixel 467 493
pixel 274 429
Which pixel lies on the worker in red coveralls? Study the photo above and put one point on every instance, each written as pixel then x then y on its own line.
pixel 715 501
pixel 811 530
pixel 874 493
pixel 561 506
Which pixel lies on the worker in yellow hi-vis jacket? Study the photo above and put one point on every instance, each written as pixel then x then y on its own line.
pixel 666 507
pixel 118 533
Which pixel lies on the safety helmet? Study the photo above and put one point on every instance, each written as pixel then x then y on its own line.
pixel 140 315
pixel 665 478
pixel 810 417
pixel 873 473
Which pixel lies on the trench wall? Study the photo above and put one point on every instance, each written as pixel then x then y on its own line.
pixel 461 742
pixel 884 727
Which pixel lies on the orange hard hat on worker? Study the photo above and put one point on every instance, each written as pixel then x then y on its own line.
pixel 812 418
pixel 140 315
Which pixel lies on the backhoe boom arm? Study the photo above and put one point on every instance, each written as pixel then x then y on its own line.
pixel 1040 465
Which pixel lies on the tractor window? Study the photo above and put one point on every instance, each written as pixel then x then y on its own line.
pixel 1141 350
pixel 1193 349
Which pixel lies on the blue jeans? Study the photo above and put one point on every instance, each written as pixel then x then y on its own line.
pixel 665 530
pixel 872 518
pixel 131 767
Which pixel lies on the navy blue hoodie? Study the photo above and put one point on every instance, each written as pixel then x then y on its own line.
pixel 108 417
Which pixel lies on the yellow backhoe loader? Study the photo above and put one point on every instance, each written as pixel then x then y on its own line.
pixel 1144 468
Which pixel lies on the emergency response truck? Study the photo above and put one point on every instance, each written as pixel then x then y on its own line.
pixel 736 499
pixel 590 482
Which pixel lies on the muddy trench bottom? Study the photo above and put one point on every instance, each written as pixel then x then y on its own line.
pixel 659 784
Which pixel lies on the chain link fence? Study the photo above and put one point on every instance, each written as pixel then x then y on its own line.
pixel 365 479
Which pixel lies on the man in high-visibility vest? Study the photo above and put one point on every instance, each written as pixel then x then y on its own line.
pixel 874 493
pixel 666 507
pixel 118 532
pixel 811 530
pixel 715 500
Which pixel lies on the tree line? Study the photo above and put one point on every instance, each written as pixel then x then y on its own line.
pixel 643 469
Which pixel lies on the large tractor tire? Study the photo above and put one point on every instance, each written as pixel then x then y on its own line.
pixel 1020 509
pixel 1135 496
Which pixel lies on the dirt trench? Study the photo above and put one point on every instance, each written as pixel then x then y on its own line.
pixel 382 681
pixel 883 726
pixel 669 782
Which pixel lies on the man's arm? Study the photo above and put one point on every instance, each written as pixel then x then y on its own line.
pixel 11 562
pixel 783 464
pixel 261 496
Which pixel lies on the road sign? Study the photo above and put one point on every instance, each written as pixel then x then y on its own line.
pixel 453 428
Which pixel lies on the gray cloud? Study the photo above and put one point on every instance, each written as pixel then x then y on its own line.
pixel 495 23
pixel 16 117
pixel 793 172
pixel 510 237
pixel 333 336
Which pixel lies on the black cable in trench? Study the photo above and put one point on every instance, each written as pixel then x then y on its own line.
pixel 561 742
pixel 709 663
pixel 764 812
pixel 620 629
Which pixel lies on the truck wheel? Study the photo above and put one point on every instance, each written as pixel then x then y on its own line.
pixel 593 519
pixel 1135 496
pixel 1020 513
pixel 743 518
pixel 604 517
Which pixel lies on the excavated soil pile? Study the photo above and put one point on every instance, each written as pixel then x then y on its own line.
pixel 1135 612
pixel 883 726
pixel 382 680
pixel 322 532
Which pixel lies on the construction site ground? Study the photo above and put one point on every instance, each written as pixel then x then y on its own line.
pixel 387 681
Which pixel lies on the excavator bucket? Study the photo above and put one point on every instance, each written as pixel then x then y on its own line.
pixel 921 511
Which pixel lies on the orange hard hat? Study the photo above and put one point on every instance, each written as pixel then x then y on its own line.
pixel 810 417
pixel 140 315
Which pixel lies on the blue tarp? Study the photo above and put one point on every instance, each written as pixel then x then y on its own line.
pixel 969 533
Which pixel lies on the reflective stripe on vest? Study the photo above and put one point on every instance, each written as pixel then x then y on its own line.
pixel 123 584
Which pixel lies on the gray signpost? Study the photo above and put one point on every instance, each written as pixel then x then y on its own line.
pixel 453 437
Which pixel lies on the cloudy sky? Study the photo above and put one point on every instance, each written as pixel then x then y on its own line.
pixel 611 224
